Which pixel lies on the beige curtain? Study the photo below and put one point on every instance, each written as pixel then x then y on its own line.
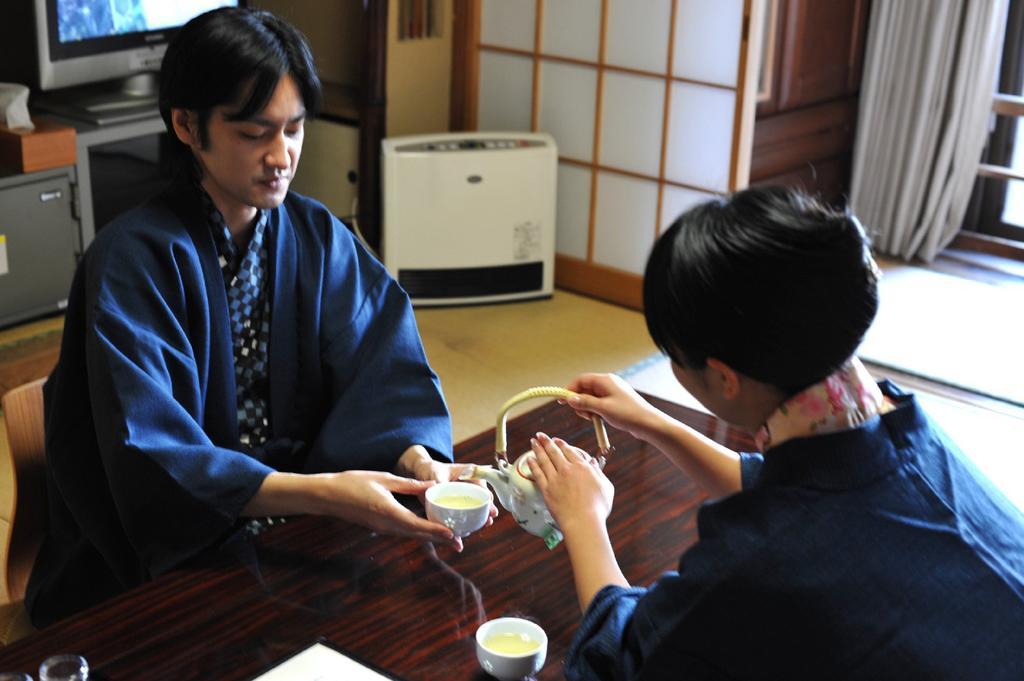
pixel 925 105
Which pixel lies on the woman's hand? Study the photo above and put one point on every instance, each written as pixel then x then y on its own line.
pixel 575 489
pixel 715 468
pixel 579 497
pixel 614 400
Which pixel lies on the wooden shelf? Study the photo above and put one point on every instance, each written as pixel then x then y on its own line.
pixel 49 145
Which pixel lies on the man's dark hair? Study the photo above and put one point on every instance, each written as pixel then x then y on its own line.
pixel 234 56
pixel 770 281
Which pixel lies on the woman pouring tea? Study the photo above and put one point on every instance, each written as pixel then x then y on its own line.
pixel 858 543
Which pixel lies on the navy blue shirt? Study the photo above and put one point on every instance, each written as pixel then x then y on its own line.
pixel 873 553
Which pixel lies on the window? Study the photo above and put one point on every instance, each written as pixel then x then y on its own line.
pixel 997 205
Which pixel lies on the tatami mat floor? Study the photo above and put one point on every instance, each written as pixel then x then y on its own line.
pixel 486 354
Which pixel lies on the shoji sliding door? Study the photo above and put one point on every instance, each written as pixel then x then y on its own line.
pixel 650 103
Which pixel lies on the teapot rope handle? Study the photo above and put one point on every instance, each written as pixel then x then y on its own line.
pixel 501 441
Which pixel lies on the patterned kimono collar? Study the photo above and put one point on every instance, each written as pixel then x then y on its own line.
pixel 844 400
pixel 230 256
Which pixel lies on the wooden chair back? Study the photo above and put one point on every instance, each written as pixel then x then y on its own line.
pixel 23 514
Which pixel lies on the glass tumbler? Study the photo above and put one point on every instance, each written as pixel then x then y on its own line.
pixel 64 668
pixel 15 676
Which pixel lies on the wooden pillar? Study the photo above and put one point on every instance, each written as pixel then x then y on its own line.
pixel 372 118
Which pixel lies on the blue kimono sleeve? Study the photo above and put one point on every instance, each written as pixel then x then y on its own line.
pixel 602 649
pixel 175 491
pixel 385 397
pixel 750 469
pixel 633 633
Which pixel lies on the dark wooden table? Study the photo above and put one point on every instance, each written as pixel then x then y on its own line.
pixel 407 607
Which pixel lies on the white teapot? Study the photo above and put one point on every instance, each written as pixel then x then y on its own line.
pixel 512 482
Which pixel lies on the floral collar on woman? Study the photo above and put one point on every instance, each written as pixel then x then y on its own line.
pixel 844 400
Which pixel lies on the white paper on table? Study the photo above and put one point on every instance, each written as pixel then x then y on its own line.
pixel 321 663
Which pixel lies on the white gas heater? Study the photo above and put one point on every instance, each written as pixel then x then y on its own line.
pixel 470 217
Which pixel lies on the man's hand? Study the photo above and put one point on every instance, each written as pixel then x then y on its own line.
pixel 417 463
pixel 362 497
pixel 367 498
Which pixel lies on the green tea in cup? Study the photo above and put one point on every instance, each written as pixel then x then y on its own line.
pixel 511 643
pixel 459 501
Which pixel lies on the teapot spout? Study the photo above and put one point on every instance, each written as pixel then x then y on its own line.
pixel 497 479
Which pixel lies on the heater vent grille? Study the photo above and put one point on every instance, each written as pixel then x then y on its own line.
pixel 466 282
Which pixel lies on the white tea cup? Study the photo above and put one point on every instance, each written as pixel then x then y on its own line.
pixel 511 648
pixel 462 507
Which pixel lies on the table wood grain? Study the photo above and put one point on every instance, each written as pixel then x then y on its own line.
pixel 407 607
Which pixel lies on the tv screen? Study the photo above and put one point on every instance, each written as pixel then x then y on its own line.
pixel 82 27
pixel 89 41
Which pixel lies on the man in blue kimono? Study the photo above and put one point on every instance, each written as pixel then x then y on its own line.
pixel 230 351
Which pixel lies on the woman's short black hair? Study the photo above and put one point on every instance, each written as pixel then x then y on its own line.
pixel 770 281
pixel 234 56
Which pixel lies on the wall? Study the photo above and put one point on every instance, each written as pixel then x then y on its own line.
pixel 372 80
pixel 419 77
pixel 334 31
pixel 330 158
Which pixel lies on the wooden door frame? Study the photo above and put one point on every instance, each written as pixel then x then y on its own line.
pixel 372 119
pixel 465 64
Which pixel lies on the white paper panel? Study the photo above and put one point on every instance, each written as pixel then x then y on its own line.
pixel 572 230
pixel 700 136
pixel 567 103
pixel 637 34
pixel 505 92
pixel 624 224
pixel 707 45
pixel 508 23
pixel 676 200
pixel 572 28
pixel 631 119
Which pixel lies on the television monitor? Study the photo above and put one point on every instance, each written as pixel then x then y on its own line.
pixel 116 43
